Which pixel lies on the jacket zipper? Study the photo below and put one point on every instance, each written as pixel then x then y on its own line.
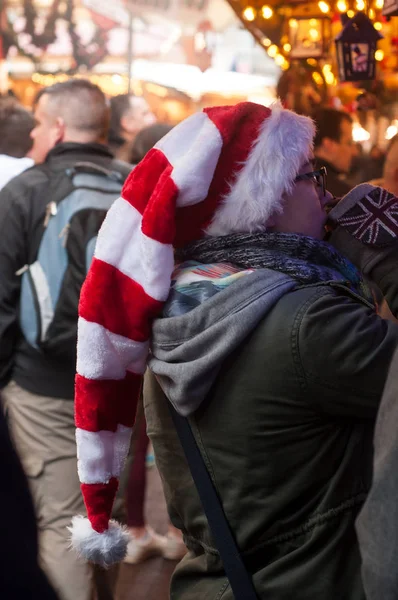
pixel 51 211
pixel 64 234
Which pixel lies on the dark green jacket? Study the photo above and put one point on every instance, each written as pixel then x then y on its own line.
pixel 286 432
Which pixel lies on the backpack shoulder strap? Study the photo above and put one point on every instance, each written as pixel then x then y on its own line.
pixel 89 168
pixel 239 578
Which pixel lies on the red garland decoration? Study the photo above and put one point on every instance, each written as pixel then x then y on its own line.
pixel 96 48
pixel 82 57
pixel 42 40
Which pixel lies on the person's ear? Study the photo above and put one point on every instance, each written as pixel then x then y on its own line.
pixel 328 144
pixel 59 130
pixel 125 122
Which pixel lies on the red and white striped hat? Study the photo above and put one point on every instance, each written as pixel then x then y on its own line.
pixel 220 171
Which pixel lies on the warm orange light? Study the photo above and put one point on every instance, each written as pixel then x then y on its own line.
pixel 379 55
pixel 328 75
pixel 324 6
pixel 314 35
pixel 378 26
pixel 293 23
pixel 249 13
pixel 342 6
pixel 287 47
pixel 350 14
pixel 360 4
pixel 266 12
pixel 279 59
pixel 266 42
pixel 317 77
pixel 272 51
pixel 379 4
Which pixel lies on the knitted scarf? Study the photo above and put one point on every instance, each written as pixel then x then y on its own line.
pixel 304 258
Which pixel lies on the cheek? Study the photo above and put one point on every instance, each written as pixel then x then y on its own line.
pixel 314 203
pixel 42 135
pixel 51 137
pixel 310 196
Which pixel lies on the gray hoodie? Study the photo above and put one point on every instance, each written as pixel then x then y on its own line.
pixel 187 351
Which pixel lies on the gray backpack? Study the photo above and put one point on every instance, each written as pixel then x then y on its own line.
pixel 80 198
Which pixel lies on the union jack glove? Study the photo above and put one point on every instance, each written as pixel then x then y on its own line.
pixel 364 226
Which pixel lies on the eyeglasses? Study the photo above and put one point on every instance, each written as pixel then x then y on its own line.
pixel 318 177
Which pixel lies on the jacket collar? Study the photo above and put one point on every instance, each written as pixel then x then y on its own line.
pixel 67 150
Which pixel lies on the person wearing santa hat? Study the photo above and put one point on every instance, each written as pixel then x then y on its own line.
pixel 212 270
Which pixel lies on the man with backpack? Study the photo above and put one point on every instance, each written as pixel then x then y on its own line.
pixel 49 219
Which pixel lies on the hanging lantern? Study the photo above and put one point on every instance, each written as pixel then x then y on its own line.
pixel 309 37
pixel 356 47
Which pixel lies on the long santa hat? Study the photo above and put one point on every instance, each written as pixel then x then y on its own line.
pixel 220 171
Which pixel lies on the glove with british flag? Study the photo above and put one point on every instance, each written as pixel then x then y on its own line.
pixel 364 227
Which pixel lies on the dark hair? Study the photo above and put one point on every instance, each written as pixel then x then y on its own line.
pixel 328 124
pixel 16 123
pixel 81 103
pixel 120 105
pixel 146 139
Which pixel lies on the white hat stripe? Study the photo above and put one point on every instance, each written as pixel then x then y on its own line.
pixel 123 245
pixel 193 149
pixel 106 355
pixel 101 454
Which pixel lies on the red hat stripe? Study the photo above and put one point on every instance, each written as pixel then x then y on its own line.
pixel 99 500
pixel 116 302
pixel 139 187
pixel 102 405
pixel 158 221
pixel 249 117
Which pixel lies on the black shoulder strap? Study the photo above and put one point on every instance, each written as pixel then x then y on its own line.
pixel 239 578
pixel 90 168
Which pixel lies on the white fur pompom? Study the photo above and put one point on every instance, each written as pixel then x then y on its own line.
pixel 105 548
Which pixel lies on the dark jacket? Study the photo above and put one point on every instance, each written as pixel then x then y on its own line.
pixel 286 432
pixel 335 180
pixel 20 574
pixel 377 525
pixel 23 205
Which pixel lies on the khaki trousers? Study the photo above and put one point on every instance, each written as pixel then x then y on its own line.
pixel 44 434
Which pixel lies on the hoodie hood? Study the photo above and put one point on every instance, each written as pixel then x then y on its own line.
pixel 187 351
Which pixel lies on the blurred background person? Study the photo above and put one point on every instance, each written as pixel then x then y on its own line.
pixel 334 147
pixel 129 114
pixel 145 140
pixel 365 166
pixel 16 123
pixel 377 525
